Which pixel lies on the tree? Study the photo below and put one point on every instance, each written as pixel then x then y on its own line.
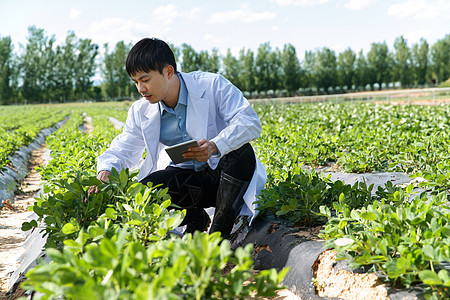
pixel 189 58
pixel 15 80
pixel 231 69
pixel 65 68
pixel 379 64
pixel 48 61
pixel 214 61
pixel 116 81
pixel 85 62
pixel 440 57
pixel 402 62
pixel 361 72
pixel 206 62
pixel 247 74
pixel 123 80
pixel 346 69
pixel 308 65
pixel 420 61
pixel 275 70
pixel 6 57
pixel 291 70
pixel 263 68
pixel 325 69
pixel 34 67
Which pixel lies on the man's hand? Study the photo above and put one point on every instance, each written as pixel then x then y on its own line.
pixel 102 176
pixel 203 152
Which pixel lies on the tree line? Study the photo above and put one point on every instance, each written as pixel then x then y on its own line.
pixel 45 72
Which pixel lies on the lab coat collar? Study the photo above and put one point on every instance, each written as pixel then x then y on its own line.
pixel 196 116
pixel 197 109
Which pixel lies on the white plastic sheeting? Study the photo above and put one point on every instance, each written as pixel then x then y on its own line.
pixel 17 169
pixel 117 124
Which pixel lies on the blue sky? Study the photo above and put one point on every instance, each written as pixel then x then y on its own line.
pixel 307 24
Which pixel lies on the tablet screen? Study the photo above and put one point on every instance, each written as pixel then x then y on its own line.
pixel 175 152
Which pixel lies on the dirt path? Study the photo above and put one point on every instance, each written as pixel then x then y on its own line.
pixel 12 217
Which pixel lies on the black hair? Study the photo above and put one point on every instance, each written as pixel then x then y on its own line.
pixel 149 54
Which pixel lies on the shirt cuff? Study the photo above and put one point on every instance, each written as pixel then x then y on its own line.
pixel 217 154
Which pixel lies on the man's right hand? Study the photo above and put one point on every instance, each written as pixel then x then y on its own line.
pixel 102 176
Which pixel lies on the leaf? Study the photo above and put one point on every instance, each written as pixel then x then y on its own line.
pixel 91 181
pixel 135 222
pixel 370 216
pixel 139 200
pixel 108 248
pixel 409 189
pixel 111 213
pixel 26 226
pixel 68 228
pixel 429 277
pixel 72 243
pixel 127 207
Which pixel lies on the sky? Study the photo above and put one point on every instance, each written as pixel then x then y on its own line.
pixel 232 24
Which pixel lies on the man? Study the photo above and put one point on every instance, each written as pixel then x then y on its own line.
pixel 222 172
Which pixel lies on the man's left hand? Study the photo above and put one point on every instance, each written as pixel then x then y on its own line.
pixel 203 152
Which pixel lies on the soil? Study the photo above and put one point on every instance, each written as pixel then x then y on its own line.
pixel 343 284
pixel 11 218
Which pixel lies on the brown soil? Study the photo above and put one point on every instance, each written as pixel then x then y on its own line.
pixel 344 284
pixel 11 219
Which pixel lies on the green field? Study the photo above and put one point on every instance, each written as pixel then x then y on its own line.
pixel 406 240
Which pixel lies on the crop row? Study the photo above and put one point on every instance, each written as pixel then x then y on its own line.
pixel 387 229
pixel 117 244
pixel 356 138
pixel 401 234
pixel 19 125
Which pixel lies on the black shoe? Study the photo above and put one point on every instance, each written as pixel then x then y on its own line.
pixel 228 204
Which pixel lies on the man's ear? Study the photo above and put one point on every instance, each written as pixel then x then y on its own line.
pixel 170 71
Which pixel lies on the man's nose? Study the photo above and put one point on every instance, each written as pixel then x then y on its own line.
pixel 141 88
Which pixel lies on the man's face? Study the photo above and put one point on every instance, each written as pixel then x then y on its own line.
pixel 152 85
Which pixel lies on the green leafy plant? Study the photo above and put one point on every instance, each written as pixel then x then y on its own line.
pixel 66 210
pixel 119 267
pixel 405 239
pixel 299 197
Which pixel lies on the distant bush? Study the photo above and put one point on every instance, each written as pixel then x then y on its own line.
pixel 445 83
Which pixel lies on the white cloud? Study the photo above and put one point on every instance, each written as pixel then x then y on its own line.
pixel 165 14
pixel 415 36
pixel 111 30
pixel 215 39
pixel 195 13
pixel 420 9
pixel 244 14
pixel 74 13
pixel 358 4
pixel 299 2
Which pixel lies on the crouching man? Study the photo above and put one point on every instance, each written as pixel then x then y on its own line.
pixel 222 172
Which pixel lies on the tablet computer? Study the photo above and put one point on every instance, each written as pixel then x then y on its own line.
pixel 176 151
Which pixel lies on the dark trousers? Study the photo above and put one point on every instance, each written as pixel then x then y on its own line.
pixel 193 190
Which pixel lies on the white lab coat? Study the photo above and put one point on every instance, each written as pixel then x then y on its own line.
pixel 216 111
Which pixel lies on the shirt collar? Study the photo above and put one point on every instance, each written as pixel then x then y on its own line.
pixel 182 96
